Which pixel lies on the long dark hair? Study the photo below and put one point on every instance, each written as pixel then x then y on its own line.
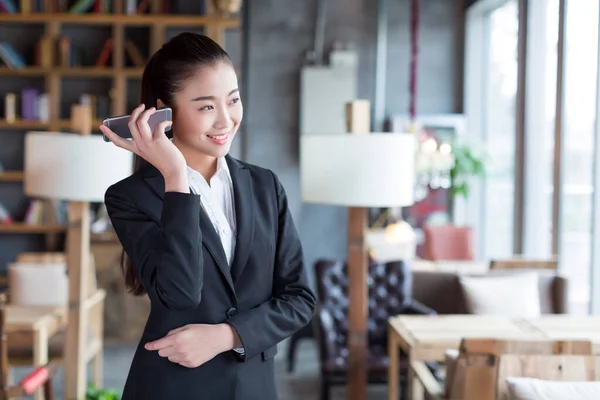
pixel 165 74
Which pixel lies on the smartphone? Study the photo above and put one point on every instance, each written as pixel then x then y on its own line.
pixel 119 125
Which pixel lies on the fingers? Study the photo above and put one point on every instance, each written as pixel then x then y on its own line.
pixel 142 123
pixel 132 124
pixel 178 359
pixel 166 341
pixel 161 128
pixel 168 352
pixel 116 139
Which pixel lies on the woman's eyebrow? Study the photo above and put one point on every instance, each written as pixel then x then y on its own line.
pixel 213 97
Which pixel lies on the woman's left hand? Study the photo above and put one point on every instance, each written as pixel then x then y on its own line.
pixel 193 345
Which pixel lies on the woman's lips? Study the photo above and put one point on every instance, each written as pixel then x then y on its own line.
pixel 219 139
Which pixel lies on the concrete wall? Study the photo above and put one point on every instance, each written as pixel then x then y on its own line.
pixel 280 34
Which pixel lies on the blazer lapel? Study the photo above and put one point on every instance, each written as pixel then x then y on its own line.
pixel 212 242
pixel 244 214
pixel 210 237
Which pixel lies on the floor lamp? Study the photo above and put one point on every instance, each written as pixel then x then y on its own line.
pixel 77 168
pixel 358 171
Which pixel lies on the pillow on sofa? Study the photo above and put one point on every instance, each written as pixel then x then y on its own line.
pixel 512 295
pixel 538 389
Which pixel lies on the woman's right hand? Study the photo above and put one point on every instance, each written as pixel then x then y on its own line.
pixel 154 147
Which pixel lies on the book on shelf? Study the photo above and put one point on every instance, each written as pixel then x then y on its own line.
pixel 49 6
pixel 134 53
pixel 8 6
pixel 46 212
pixel 84 6
pixel 131 7
pixel 10 107
pixel 105 54
pixel 30 105
pixel 100 105
pixel 10 57
pixel 5 217
pixel 58 51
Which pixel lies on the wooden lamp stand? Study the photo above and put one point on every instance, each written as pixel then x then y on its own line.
pixel 358 297
pixel 78 261
pixel 357 123
pixel 368 169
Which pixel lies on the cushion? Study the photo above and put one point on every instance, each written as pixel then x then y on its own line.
pixel 38 284
pixel 538 389
pixel 512 295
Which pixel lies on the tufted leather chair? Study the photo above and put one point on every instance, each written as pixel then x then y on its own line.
pixel 390 293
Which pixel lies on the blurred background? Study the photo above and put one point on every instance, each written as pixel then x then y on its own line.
pixel 467 142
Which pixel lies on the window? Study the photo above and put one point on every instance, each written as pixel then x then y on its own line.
pixel 500 83
pixel 579 114
pixel 540 120
pixel 491 86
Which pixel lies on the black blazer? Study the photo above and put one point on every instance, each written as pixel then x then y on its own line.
pixel 264 295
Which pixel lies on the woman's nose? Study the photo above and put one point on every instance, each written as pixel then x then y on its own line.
pixel 223 119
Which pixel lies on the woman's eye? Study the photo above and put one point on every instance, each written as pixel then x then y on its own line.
pixel 206 108
pixel 237 99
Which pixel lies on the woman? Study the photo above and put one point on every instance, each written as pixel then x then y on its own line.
pixel 208 238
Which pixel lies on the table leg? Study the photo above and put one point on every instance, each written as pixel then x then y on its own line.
pixel 393 371
pixel 40 355
pixel 411 379
pixel 414 388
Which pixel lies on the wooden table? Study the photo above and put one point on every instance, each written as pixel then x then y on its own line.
pixel 39 322
pixel 569 327
pixel 426 338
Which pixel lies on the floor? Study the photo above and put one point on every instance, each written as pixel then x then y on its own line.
pixel 302 384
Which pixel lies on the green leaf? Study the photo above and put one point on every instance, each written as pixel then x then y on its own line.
pixel 93 393
pixel 467 165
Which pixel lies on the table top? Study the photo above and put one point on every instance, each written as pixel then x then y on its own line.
pixel 32 318
pixel 431 336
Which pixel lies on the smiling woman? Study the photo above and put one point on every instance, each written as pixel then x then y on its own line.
pixel 209 239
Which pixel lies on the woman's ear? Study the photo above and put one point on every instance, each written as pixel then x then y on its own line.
pixel 160 104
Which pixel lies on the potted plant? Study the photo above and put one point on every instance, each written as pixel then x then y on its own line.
pixel 94 393
pixel 468 164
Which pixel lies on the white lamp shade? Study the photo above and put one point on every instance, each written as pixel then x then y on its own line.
pixel 69 166
pixel 355 170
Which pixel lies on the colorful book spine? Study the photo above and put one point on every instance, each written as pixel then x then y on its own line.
pixel 8 6
pixel 10 107
pixel 29 98
pixel 43 107
pixel 10 56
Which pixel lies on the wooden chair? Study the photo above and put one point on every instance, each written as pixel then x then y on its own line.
pixel 94 305
pixel 517 262
pixel 478 371
pixel 41 376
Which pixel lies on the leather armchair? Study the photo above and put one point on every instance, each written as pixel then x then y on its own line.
pixel 390 293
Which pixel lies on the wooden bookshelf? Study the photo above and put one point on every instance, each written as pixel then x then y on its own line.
pixel 18 227
pixel 89 72
pixel 118 74
pixel 11 176
pixel 63 124
pixel 121 19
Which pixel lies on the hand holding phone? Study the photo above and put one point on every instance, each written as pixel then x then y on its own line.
pixel 120 124
pixel 152 145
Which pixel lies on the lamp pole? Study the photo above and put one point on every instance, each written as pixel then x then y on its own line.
pixel 78 261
